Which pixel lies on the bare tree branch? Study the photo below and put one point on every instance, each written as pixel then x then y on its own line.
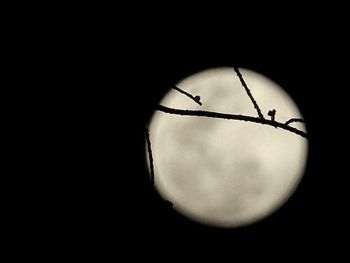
pixel 150 155
pixel 210 114
pixel 195 98
pixel 294 120
pixel 261 116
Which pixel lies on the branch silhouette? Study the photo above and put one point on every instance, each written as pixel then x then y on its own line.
pixel 294 120
pixel 250 95
pixel 150 155
pixel 196 99
pixel 209 114
pixel 218 115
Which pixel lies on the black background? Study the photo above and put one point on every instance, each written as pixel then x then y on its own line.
pixel 88 81
pixel 114 81
pixel 309 219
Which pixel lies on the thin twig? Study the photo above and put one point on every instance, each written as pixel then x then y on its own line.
pixel 294 120
pixel 248 92
pixel 210 114
pixel 196 99
pixel 150 155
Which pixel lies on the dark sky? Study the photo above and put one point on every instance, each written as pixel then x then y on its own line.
pixel 103 74
pixel 115 202
pixel 308 216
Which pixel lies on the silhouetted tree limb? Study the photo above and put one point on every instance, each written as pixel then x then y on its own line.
pixel 248 92
pixel 294 120
pixel 210 114
pixel 195 98
pixel 150 155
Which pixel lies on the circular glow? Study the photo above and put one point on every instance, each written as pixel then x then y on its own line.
pixel 227 173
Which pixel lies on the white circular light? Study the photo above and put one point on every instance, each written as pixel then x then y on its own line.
pixel 227 173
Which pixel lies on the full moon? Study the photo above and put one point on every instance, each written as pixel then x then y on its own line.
pixel 226 173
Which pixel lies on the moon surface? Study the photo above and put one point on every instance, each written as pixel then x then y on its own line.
pixel 226 173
